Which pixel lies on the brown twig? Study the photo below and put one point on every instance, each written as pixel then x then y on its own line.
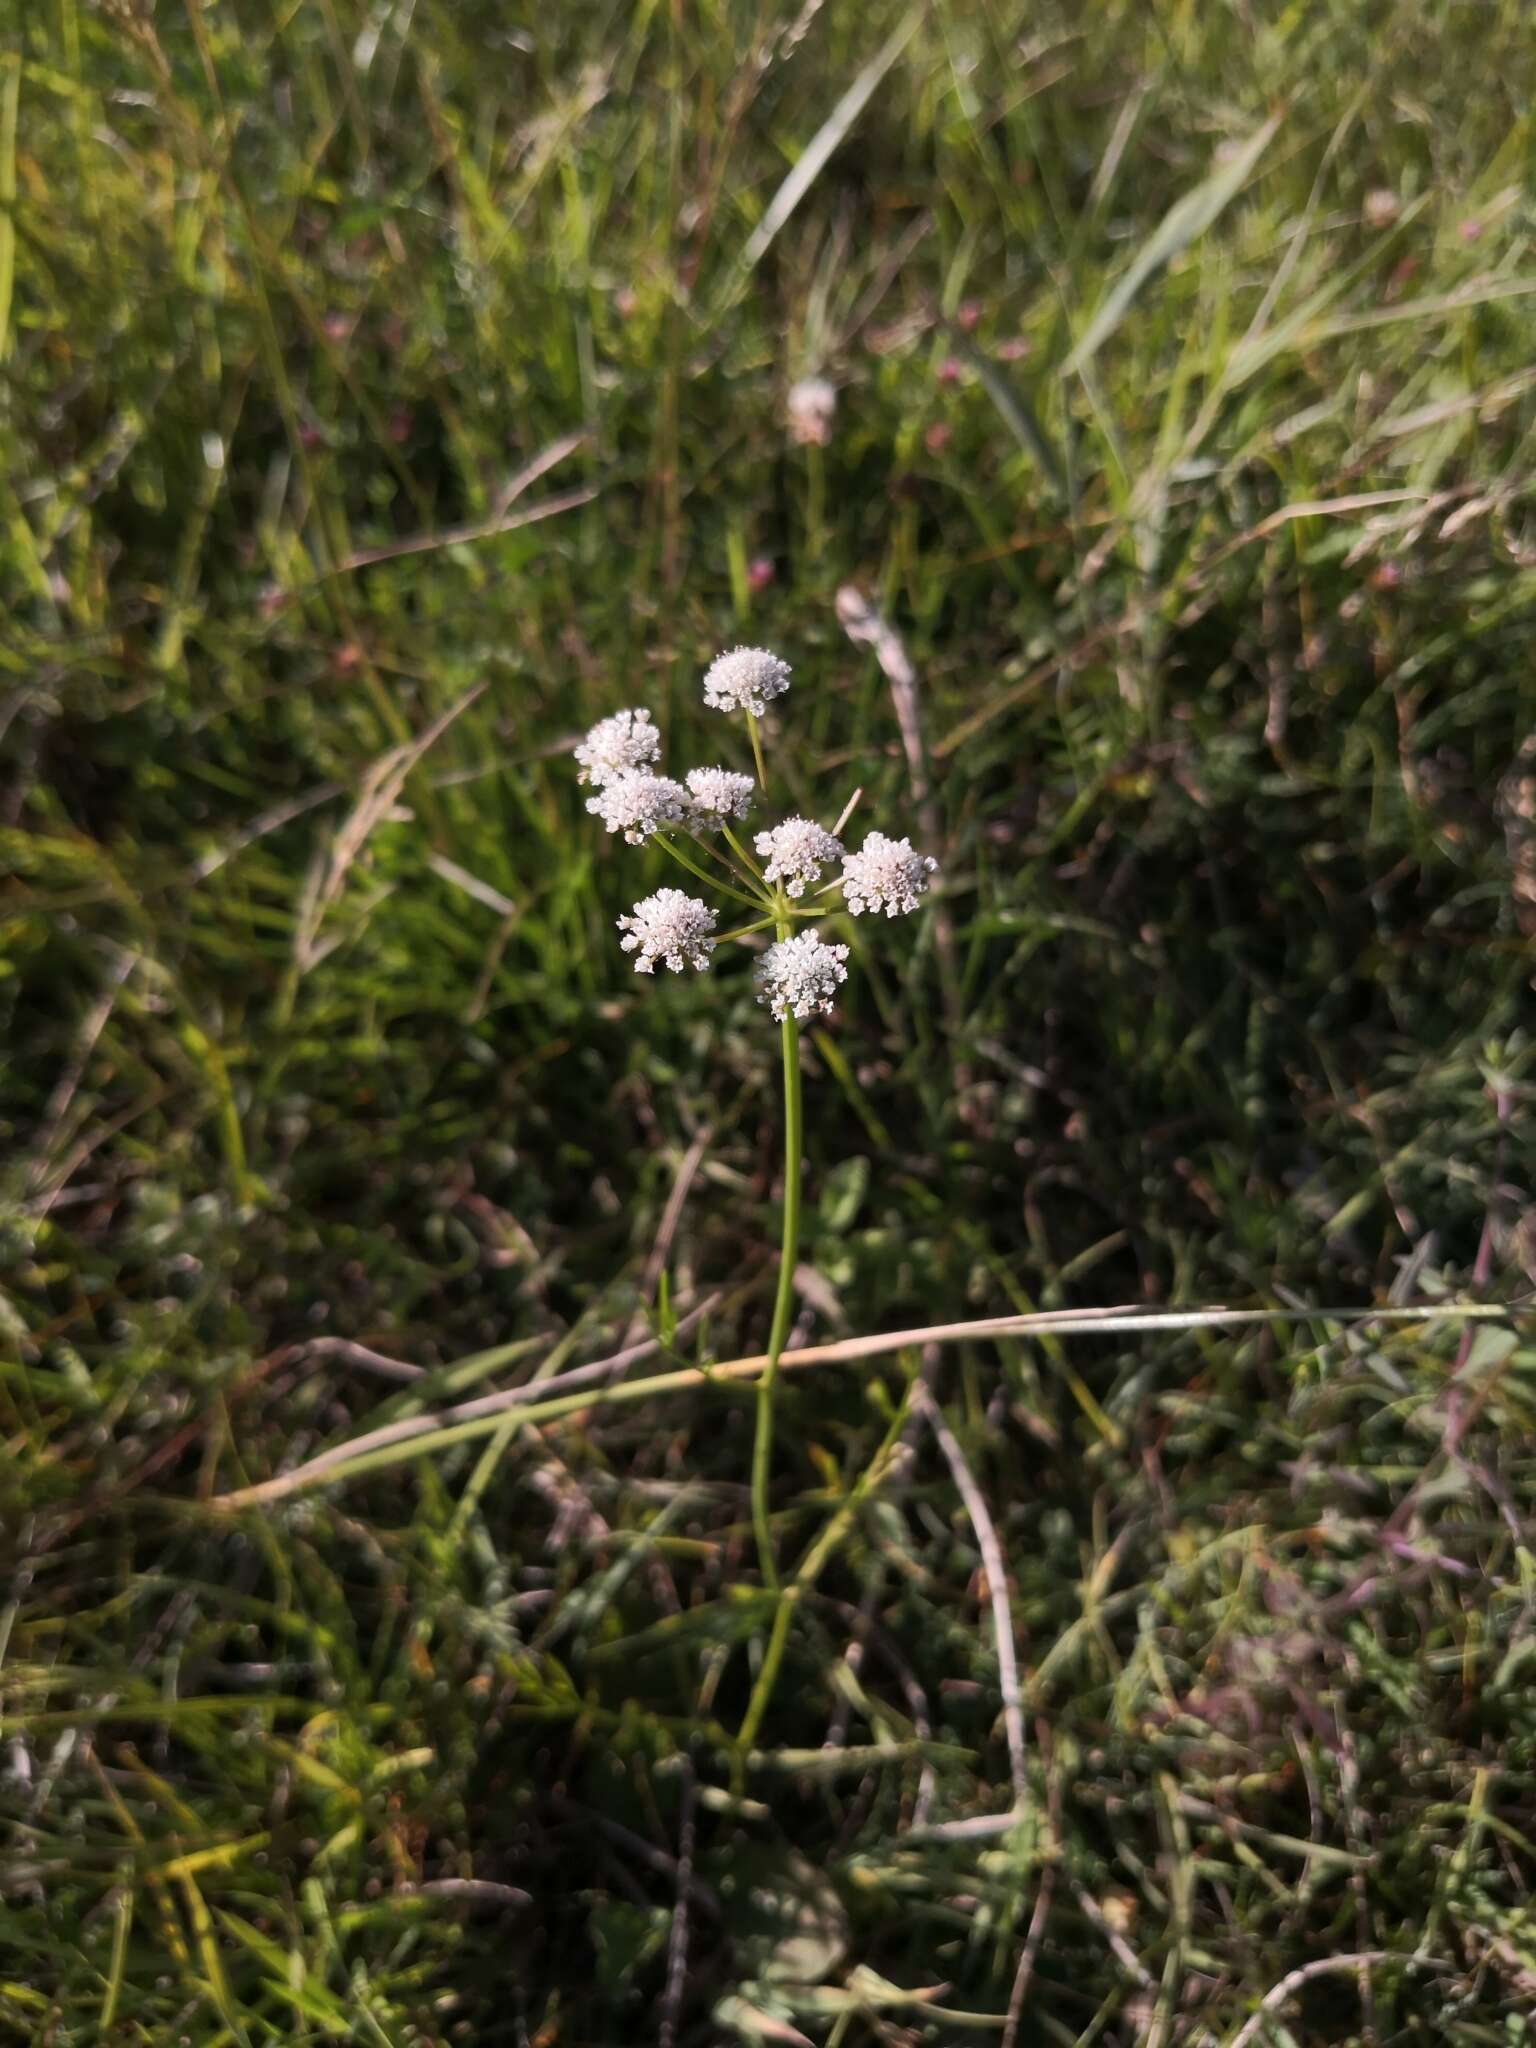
pixel 996 1568
pixel 845 1350
pixel 677 1944
pixel 867 626
pixel 1321 1967
pixel 666 1230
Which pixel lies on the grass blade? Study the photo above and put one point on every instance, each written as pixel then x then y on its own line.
pixel 1185 220
pixel 818 151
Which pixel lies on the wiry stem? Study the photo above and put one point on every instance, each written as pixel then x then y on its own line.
pixel 416 1435
pixel 742 854
pixel 757 751
pixel 711 881
pixel 744 869
pixel 809 1571
pixel 789 1244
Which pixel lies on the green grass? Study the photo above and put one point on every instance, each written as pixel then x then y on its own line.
pixel 1185 435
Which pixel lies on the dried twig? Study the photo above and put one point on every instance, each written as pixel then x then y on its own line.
pixel 382 785
pixel 1321 1967
pixel 474 1891
pixel 666 1230
pixel 95 1022
pixel 992 1559
pixel 677 1945
pixel 1026 1969
pixel 346 1352
pixel 866 625
pixel 580 1376
pixel 558 1396
pixel 271 820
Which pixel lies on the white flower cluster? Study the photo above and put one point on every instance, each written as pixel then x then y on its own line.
pixel 798 976
pixel 885 874
pixel 745 680
pixel 617 746
pixel 638 804
pixel 811 405
pixel 796 852
pixel 718 794
pixel 668 926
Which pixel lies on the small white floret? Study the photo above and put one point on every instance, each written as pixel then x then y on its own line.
pixel 798 977
pixel 796 852
pixel 638 804
pixel 811 405
pixel 745 680
pixel 617 746
pixel 885 874
pixel 670 927
pixel 718 794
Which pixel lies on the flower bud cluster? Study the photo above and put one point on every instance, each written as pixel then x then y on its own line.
pixel 798 975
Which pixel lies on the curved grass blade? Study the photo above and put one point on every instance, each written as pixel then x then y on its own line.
pixel 1185 220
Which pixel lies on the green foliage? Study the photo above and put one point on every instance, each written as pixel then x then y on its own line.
pixel 386 393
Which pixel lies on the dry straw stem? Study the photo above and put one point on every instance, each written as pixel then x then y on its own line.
pixel 381 786
pixel 1320 1968
pixel 867 626
pixel 582 1389
pixel 502 520
pixel 997 1586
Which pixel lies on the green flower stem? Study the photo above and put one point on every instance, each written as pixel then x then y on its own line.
pixel 710 881
pixel 757 751
pixel 810 1570
pixel 742 854
pixel 762 1448
pixel 746 871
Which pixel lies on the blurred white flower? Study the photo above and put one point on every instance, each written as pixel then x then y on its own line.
pixel 718 794
pixel 811 404
pixel 745 679
pixel 1381 207
pixel 668 926
pixel 638 804
pixel 796 853
pixel 617 746
pixel 798 976
pixel 885 874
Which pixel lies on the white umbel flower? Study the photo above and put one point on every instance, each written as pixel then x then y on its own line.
pixel 638 804
pixel 718 794
pixel 811 404
pixel 668 926
pixel 796 853
pixel 799 976
pixel 745 680
pixel 617 746
pixel 885 874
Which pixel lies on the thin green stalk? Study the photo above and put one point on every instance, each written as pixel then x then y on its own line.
pixel 745 870
pixel 712 881
pixel 810 1570
pixel 762 1448
pixel 741 852
pixel 757 752
pixel 815 505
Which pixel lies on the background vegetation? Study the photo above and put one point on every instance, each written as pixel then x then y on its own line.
pixel 391 389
